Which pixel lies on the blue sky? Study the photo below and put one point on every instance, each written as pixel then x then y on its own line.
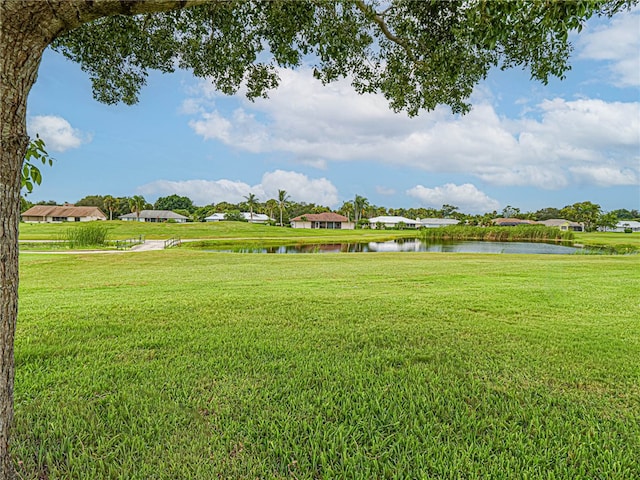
pixel 524 144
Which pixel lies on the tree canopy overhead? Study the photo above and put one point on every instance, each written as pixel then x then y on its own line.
pixel 419 54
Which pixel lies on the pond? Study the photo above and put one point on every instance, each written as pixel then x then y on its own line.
pixel 413 245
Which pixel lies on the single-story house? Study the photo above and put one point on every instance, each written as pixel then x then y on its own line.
pixel 622 225
pixel 155 216
pixel 257 217
pixel 65 213
pixel 390 221
pixel 215 217
pixel 436 222
pixel 562 224
pixel 511 222
pixel 322 220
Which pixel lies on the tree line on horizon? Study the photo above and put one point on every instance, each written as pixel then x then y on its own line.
pixel 283 209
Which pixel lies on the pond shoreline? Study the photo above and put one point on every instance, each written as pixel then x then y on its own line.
pixel 413 245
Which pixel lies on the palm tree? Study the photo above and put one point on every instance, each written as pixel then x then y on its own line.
pixel 360 204
pixel 111 204
pixel 271 205
pixel 252 201
pixel 346 209
pixel 283 199
pixel 137 204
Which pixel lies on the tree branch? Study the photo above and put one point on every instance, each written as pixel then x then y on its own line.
pixel 379 20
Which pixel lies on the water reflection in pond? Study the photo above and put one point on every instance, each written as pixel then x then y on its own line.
pixel 412 245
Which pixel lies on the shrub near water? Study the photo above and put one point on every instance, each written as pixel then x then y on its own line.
pixel 89 235
pixel 530 233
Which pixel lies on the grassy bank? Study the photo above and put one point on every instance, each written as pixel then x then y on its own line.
pixel 613 242
pixel 227 231
pixel 182 364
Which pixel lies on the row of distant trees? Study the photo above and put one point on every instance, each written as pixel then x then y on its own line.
pixel 283 209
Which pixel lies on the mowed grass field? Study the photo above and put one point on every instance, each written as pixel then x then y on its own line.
pixel 221 231
pixel 183 364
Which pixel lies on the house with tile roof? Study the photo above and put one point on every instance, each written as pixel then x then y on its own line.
pixel 154 216
pixel 64 213
pixel 327 220
pixel 564 225
pixel 511 222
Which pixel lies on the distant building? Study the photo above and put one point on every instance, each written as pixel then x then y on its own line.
pixel 389 221
pixel 215 217
pixel 322 220
pixel 257 217
pixel 565 225
pixel 66 213
pixel 511 222
pixel 623 225
pixel 436 222
pixel 154 216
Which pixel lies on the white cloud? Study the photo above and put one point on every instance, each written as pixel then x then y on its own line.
pixel 605 176
pixel 300 187
pixel 317 125
pixel 204 192
pixel 57 133
pixel 466 197
pixel 385 190
pixel 616 42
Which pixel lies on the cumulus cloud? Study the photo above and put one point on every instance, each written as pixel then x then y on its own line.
pixel 57 133
pixel 298 186
pixel 385 190
pixel 605 176
pixel 202 192
pixel 466 197
pixel 317 125
pixel 618 43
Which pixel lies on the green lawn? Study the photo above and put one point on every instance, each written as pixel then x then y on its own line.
pixel 615 240
pixel 119 230
pixel 184 364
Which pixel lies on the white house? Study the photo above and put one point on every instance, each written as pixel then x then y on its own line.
pixel 624 224
pixel 436 222
pixel 322 220
pixel 154 216
pixel 65 213
pixel 215 217
pixel 257 217
pixel 388 221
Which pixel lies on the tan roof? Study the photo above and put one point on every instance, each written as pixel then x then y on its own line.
pixel 557 222
pixel 66 211
pixel 321 217
pixel 512 221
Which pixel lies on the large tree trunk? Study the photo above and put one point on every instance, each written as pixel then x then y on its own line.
pixel 27 27
pixel 19 61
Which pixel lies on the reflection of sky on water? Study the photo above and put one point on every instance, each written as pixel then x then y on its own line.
pixel 413 245
pixel 471 247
